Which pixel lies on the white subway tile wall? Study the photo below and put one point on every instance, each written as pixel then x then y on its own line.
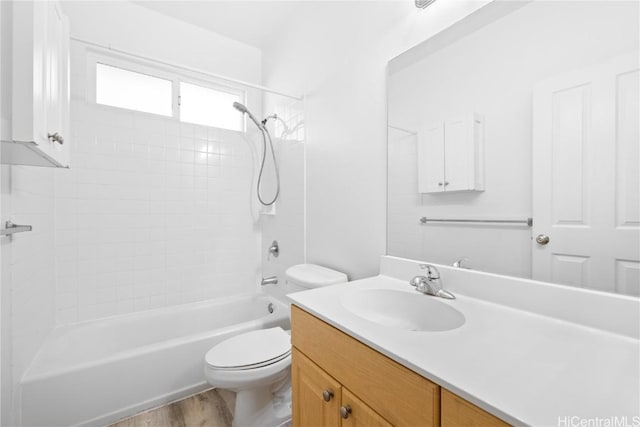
pixel 152 213
pixel 32 263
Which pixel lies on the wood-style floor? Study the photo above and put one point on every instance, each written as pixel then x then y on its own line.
pixel 211 408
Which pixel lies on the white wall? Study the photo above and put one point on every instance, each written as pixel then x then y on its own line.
pixel 494 75
pixel 341 68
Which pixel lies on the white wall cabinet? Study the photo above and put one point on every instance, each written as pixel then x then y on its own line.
pixel 451 155
pixel 40 98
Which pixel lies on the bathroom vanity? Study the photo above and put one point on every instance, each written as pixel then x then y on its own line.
pixel 341 381
pixel 524 353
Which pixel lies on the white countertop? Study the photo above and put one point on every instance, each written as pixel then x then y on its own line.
pixel 523 367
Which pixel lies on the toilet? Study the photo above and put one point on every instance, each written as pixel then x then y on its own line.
pixel 257 364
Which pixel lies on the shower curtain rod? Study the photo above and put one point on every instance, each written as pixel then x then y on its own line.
pixel 189 69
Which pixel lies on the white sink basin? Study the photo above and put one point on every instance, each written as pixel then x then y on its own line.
pixel 403 310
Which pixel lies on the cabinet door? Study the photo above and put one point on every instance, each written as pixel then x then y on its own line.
pixel 457 412
pixel 40 100
pixel 430 158
pixel 310 406
pixel 457 150
pixel 464 153
pixel 355 413
pixel 56 83
pixel 29 47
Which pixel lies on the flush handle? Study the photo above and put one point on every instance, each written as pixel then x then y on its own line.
pixel 345 411
pixel 327 395
pixel 542 239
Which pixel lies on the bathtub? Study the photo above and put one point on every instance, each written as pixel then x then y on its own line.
pixel 97 372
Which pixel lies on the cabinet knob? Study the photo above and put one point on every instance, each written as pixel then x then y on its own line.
pixel 327 395
pixel 56 137
pixel 446 183
pixel 440 184
pixel 345 411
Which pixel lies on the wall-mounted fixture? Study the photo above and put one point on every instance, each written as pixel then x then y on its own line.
pixel 11 228
pixel 422 4
pixel 274 250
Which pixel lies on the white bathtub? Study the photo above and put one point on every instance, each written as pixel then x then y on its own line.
pixel 97 372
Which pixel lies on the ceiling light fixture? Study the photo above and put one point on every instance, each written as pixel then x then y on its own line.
pixel 422 4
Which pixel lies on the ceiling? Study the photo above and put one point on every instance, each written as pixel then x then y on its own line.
pixel 251 22
pixel 259 22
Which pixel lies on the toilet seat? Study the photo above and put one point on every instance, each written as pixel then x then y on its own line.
pixel 250 350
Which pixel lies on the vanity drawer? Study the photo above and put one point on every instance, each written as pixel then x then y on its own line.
pixel 398 394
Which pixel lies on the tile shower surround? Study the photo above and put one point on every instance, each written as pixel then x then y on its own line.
pixel 152 213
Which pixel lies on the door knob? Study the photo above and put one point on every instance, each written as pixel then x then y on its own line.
pixel 327 395
pixel 345 411
pixel 542 239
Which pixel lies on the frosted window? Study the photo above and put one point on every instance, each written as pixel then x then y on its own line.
pixel 209 107
pixel 135 91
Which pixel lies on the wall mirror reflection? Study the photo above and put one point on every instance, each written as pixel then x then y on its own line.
pixel 513 144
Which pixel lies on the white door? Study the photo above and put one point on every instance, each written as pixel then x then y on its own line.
pixel 586 184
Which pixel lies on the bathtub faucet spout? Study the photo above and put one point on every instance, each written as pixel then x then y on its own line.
pixel 273 280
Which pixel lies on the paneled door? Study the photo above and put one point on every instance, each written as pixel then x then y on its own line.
pixel 586 181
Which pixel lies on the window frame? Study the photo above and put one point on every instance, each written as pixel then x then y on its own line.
pixel 153 69
pixel 208 84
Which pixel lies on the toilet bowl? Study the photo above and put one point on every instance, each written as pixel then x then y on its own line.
pixel 257 364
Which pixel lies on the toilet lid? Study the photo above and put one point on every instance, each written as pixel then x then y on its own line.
pixel 314 276
pixel 250 349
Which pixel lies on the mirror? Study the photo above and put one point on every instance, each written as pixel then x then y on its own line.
pixel 513 144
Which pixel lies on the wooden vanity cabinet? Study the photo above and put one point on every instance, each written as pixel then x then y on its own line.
pixel 333 372
pixel 380 391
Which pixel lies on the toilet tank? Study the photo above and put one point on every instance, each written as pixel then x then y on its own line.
pixel 309 276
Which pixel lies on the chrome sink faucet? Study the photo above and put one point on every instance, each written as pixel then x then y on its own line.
pixel 430 283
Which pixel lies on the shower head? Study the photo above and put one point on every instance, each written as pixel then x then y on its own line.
pixel 243 109
pixel 240 107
